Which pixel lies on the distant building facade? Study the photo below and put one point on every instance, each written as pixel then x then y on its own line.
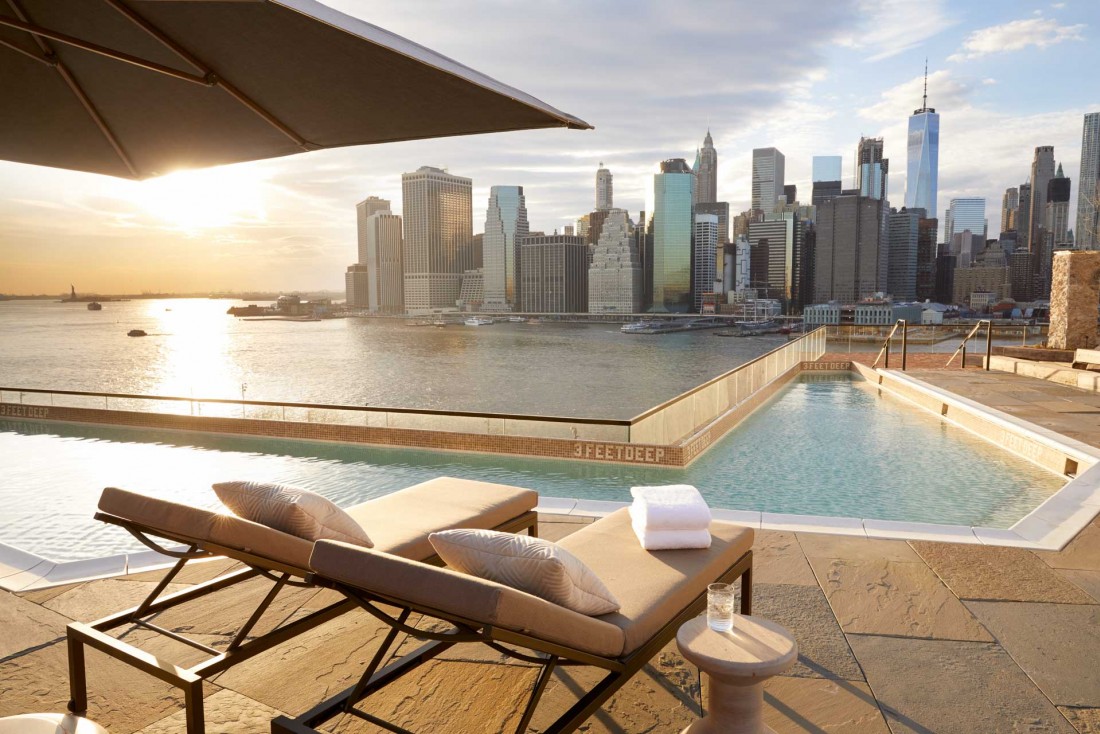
pixel 827 181
pixel 1087 230
pixel 706 172
pixel 872 170
pixel 505 226
pixel 704 251
pixel 768 171
pixel 438 243
pixel 673 190
pixel 922 171
pixel 850 260
pixel 615 275
pixel 554 274
pixel 605 192
pixel 904 239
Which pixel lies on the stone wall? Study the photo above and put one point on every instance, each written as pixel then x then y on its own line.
pixel 1074 296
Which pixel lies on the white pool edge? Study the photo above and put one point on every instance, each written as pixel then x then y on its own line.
pixel 1049 527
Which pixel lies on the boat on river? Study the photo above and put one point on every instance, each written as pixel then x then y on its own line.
pixel 95 306
pixel 478 321
pixel 136 332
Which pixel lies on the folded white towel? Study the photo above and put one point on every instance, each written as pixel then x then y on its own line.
pixel 675 507
pixel 653 540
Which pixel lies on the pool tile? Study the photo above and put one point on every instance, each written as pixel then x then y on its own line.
pixel 13 560
pixel 737 517
pixel 1058 645
pixel 778 559
pixel 596 508
pixel 965 687
pixel 895 530
pixel 890 598
pixel 555 505
pixel 26 625
pixel 224 711
pixel 1083 552
pixel 1007 574
pixel 812 523
pixel 1002 537
pixel 1084 720
pixel 1087 581
pixel 822 650
pixel 818 545
pixel 800 705
pixel 120 698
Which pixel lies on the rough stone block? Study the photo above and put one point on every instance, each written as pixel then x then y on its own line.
pixel 1074 294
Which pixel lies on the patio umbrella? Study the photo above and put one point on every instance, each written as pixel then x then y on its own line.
pixel 138 88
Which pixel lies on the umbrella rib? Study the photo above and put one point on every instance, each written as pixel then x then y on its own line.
pixel 78 91
pixel 209 74
pixel 28 54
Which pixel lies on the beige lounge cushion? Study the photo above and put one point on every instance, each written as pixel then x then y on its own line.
pixel 652 586
pixel 460 595
pixel 399 523
pixel 298 512
pixel 529 564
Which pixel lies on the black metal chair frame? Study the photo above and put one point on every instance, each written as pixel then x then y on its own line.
pixel 547 655
pixel 240 648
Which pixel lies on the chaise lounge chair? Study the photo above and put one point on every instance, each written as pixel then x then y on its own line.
pixel 398 524
pixel 658 591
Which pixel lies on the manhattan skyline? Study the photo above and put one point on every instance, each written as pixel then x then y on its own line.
pixel 854 72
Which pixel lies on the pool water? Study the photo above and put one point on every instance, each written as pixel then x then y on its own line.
pixel 827 444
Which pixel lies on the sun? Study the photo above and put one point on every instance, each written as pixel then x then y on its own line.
pixel 192 201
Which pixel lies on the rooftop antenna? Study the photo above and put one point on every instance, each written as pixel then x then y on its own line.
pixel 924 104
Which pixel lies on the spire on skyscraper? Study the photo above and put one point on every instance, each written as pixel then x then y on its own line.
pixel 924 101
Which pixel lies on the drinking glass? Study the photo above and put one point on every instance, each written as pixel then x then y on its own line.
pixel 720 607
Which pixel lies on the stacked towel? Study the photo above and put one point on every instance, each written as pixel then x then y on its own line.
pixel 670 517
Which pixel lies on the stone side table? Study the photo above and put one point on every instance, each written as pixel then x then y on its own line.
pixel 737 663
pixel 49 724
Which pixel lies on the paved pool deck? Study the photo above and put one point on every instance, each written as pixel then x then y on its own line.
pixel 895 636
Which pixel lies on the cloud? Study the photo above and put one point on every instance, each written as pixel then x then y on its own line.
pixel 1015 36
pixel 891 27
pixel 945 91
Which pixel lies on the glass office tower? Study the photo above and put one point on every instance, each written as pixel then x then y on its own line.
pixel 505 225
pixel 922 174
pixel 673 189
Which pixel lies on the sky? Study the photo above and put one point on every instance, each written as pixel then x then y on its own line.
pixel 805 76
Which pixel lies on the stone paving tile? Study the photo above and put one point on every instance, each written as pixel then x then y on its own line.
pixel 888 598
pixel 311 667
pixel 1083 552
pixel 223 612
pixel 950 687
pixel 816 545
pixel 25 625
pixel 800 705
pixel 225 712
pixel 41 596
pixel 91 601
pixel 1085 721
pixel 988 572
pixel 822 650
pixel 1058 645
pixel 120 698
pixel 555 531
pixel 1087 581
pixel 777 558
pixel 192 573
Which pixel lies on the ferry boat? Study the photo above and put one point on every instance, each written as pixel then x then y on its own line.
pixel 95 306
pixel 478 321
pixel 517 319
pixel 439 323
pixel 637 326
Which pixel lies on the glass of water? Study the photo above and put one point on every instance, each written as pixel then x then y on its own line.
pixel 720 607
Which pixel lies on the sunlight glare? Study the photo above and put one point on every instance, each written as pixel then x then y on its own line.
pixel 205 199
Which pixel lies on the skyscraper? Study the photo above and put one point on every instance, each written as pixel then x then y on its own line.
pixel 363 210
pixel 1010 209
pixel 827 181
pixel 1056 220
pixel 872 170
pixel 704 245
pixel 604 189
pixel 615 275
pixel 385 271
pixel 767 178
pixel 922 172
pixel 774 242
pixel 850 259
pixel 554 274
pixel 904 242
pixel 965 213
pixel 1023 217
pixel 505 225
pixel 673 189
pixel 927 237
pixel 438 218
pixel 706 172
pixel 1042 170
pixel 1087 232
pixel 720 209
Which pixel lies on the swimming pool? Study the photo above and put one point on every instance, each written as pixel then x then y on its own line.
pixel 827 444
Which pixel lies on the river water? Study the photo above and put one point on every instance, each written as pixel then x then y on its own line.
pixel 195 350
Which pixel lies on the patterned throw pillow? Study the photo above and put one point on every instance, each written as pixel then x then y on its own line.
pixel 295 511
pixel 534 565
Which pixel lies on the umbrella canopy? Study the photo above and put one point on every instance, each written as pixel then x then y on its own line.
pixel 138 88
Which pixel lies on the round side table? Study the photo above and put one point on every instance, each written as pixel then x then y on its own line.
pixel 737 663
pixel 49 724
